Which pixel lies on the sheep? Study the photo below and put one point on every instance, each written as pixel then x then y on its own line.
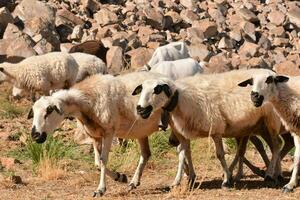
pixel 177 69
pixel 208 105
pixel 106 108
pixel 283 93
pixel 41 73
pixel 88 65
pixel 169 52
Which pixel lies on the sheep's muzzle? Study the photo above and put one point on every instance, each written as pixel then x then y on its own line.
pixel 37 136
pixel 144 112
pixel 257 99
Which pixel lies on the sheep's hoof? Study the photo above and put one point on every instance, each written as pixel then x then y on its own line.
pixel 191 182
pixel 99 193
pixel 268 178
pixel 228 184
pixel 280 178
pixel 133 186
pixel 121 178
pixel 285 189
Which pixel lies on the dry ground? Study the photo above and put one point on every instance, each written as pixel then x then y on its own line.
pixel 75 177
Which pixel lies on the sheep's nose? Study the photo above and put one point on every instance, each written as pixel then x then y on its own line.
pixel 37 136
pixel 139 108
pixel 255 94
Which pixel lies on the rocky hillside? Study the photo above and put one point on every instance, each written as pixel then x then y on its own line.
pixel 228 34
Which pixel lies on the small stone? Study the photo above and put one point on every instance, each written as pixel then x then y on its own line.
pixel 248 49
pixel 287 68
pixel 114 58
pixel 140 56
pixel 225 43
pixel 188 16
pixel 247 15
pixel 16 179
pixel 276 18
pixel 154 17
pixel 105 17
pixel 209 29
pixel 294 16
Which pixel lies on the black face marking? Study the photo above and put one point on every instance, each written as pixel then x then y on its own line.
pixel 246 82
pixel 269 80
pixel 137 90
pixel 50 109
pixel 1 69
pixel 167 90
pixel 158 89
pixel 30 114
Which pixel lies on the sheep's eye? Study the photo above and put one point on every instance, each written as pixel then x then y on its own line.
pixel 49 110
pixel 269 80
pixel 158 89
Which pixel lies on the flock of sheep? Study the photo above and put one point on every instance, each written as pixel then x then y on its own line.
pixel 170 90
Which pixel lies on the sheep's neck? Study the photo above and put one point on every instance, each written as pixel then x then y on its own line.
pixel 285 104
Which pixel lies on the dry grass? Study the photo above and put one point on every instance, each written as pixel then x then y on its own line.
pixel 50 170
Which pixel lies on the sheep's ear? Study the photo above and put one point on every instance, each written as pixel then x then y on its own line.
pixel 137 90
pixel 1 69
pixel 167 90
pixel 59 111
pixel 30 114
pixel 246 82
pixel 281 79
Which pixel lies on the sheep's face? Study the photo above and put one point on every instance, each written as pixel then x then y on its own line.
pixel 47 115
pixel 263 87
pixel 18 93
pixel 154 95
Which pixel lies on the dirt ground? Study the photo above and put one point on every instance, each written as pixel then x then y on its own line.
pixel 80 178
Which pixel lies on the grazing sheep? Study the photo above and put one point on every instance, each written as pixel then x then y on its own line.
pixel 283 93
pixel 88 65
pixel 106 108
pixel 169 52
pixel 209 105
pixel 41 73
pixel 177 69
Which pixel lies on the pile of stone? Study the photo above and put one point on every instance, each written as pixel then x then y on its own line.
pixel 227 34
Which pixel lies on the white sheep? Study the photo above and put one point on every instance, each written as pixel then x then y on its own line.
pixel 88 65
pixel 41 73
pixel 209 105
pixel 106 108
pixel 176 69
pixel 283 93
pixel 169 52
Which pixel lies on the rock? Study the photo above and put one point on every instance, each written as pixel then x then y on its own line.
pixel 191 4
pixel 225 43
pixel 294 16
pixel 66 47
pixel 5 18
pixel 154 17
pixel 16 179
pixel 64 16
pixel 199 52
pixel 29 9
pixel 92 5
pixel 43 30
pixel 144 33
pixel 247 15
pixel 114 59
pixel 264 42
pixel 236 34
pixel 280 41
pixel 10 5
pixel 249 29
pixel 105 17
pixel 9 163
pixel 140 57
pixel 77 33
pixel 176 19
pixel 20 48
pixel 287 68
pixel 195 35
pixel 278 31
pixel 276 18
pixel 43 47
pixel 248 49
pixel 188 16
pixel 218 64
pixel 257 62
pixel 208 28
pixel 12 32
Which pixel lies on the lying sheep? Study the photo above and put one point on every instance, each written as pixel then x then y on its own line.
pixel 88 65
pixel 41 73
pixel 169 52
pixel 177 69
pixel 106 108
pixel 209 105
pixel 283 93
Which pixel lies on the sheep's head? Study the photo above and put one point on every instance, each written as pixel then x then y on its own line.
pixel 18 93
pixel 264 87
pixel 47 114
pixel 155 94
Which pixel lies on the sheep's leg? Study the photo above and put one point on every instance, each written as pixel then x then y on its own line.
pixel 274 169
pixel 97 145
pixel 145 155
pixel 221 156
pixel 106 144
pixel 260 148
pixel 254 169
pixel 184 152
pixel 288 144
pixel 294 178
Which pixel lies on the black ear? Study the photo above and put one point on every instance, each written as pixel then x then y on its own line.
pixel 30 114
pixel 281 79
pixel 270 79
pixel 167 90
pixel 58 110
pixel 1 69
pixel 246 82
pixel 137 90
